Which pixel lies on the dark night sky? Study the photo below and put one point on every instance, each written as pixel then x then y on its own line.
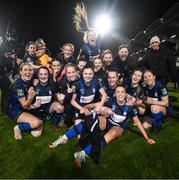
pixel 52 20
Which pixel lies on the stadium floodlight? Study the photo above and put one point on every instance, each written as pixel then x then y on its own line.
pixel 173 36
pixel 103 24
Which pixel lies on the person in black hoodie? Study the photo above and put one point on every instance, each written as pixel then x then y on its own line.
pixel 160 61
pixel 125 63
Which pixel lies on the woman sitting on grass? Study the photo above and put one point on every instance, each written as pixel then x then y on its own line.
pixel 20 103
pixel 114 125
pixel 157 100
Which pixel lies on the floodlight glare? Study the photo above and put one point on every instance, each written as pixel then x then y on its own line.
pixel 103 24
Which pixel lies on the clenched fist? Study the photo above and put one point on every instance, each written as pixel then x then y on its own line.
pixel 31 92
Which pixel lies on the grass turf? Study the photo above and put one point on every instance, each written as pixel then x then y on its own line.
pixel 126 157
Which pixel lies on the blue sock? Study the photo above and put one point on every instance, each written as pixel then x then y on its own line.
pixel 158 119
pixel 56 118
pixel 24 126
pixel 103 143
pixel 88 148
pixel 77 129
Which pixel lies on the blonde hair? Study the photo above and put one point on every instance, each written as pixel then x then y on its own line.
pixel 70 65
pixel 24 64
pixel 68 44
pixel 106 52
pixel 85 38
pixel 41 43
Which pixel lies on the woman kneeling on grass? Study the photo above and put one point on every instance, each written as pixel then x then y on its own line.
pixel 157 101
pixel 20 103
pixel 114 125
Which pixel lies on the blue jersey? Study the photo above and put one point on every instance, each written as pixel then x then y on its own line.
pixel 110 92
pixel 157 92
pixel 66 61
pixel 136 92
pixel 121 113
pixel 89 53
pixel 86 94
pixel 19 89
pixel 44 94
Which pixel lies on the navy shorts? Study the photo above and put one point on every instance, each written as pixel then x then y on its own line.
pixel 110 123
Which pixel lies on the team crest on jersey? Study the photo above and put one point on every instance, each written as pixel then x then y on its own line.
pixel 93 90
pixel 82 91
pixel 50 92
pixel 134 111
pixel 125 113
pixel 20 92
pixel 113 107
pixel 73 88
pixel 164 91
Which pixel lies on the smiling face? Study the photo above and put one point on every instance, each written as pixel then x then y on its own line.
pixel 136 77
pixel 123 53
pixel 43 75
pixel 155 45
pixel 112 79
pixel 71 73
pixel 97 64
pixel 26 72
pixel 31 49
pixel 120 94
pixel 67 51
pixel 149 78
pixel 88 75
pixel 107 59
pixel 56 66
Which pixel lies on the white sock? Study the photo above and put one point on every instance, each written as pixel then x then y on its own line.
pixel 84 153
pixel 64 137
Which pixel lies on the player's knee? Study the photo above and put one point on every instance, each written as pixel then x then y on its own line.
pixel 36 123
pixel 114 133
pixel 37 132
